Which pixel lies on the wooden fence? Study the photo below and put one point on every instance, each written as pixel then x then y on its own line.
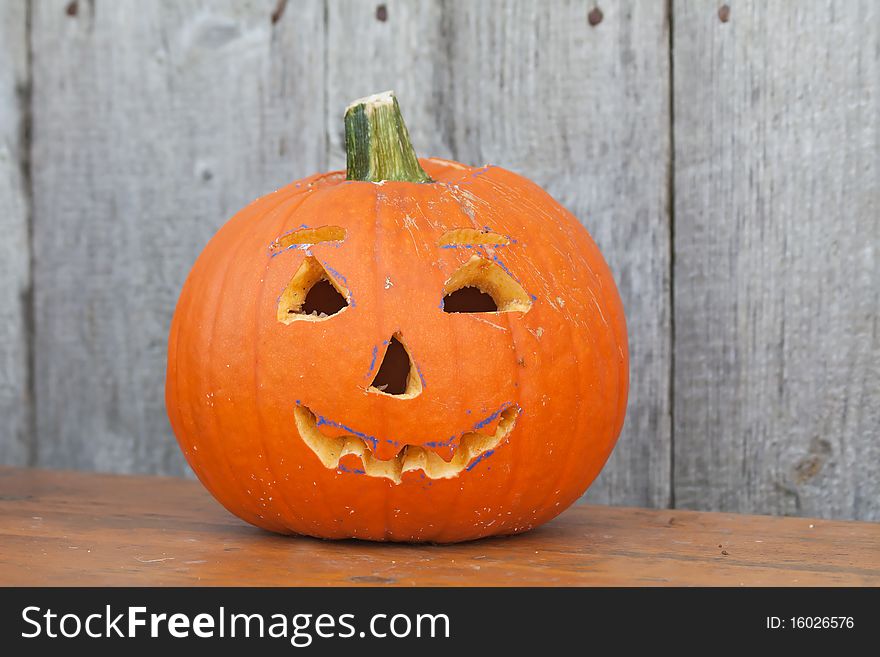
pixel 725 158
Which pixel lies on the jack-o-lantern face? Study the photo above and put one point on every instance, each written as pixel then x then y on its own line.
pixel 480 285
pixel 404 361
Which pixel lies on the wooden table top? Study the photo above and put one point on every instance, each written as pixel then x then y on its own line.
pixel 63 528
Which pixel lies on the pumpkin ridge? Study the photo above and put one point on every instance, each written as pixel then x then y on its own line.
pixel 215 309
pixel 280 491
pixel 293 219
pixel 539 251
pixel 286 194
pixel 376 278
pixel 278 213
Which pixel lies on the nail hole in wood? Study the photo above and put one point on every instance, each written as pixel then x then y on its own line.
pixel 280 6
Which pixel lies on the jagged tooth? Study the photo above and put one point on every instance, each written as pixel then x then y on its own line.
pixel 353 445
pixel 377 468
pixel 508 419
pixel 462 455
pixel 400 459
pixel 414 459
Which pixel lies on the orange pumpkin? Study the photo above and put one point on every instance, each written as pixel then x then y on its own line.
pixel 415 351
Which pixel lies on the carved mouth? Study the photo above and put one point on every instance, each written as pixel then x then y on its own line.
pixel 473 446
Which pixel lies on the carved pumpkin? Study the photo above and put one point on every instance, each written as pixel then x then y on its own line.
pixel 415 351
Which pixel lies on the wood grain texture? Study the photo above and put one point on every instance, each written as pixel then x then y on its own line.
pixel 584 111
pixel 15 266
pixel 85 529
pixel 153 123
pixel 777 285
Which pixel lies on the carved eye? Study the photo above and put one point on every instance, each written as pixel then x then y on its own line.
pixel 312 295
pixel 481 286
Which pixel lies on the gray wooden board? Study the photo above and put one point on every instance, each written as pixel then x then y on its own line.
pixel 16 439
pixel 153 123
pixel 777 287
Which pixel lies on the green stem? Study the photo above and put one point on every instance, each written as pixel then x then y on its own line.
pixel 377 144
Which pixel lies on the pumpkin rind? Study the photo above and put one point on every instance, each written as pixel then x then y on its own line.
pixel 236 373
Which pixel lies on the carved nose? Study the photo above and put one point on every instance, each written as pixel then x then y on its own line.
pixel 397 375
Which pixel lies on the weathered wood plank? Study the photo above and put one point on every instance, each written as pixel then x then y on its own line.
pixel 584 111
pixel 153 123
pixel 15 273
pixel 777 284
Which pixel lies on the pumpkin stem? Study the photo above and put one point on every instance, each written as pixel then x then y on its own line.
pixel 377 144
